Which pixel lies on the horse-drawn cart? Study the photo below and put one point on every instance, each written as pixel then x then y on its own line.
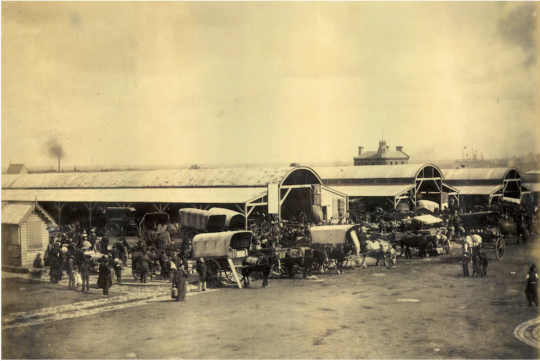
pixel 340 243
pixel 223 254
pixel 487 225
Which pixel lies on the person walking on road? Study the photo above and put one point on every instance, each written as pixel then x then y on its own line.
pixel 531 291
pixel 202 270
pixel 144 263
pixel 118 270
pixel 179 282
pixel 70 269
pixel 85 274
pixel 465 264
pixel 105 275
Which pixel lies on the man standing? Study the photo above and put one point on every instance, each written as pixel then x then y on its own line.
pixel 85 274
pixel 105 275
pixel 531 291
pixel 202 270
pixel 144 262
pixel 70 268
pixel 465 264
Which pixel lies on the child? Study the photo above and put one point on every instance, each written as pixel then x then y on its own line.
pixel 118 270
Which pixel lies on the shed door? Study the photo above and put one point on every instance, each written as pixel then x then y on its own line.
pixel 34 235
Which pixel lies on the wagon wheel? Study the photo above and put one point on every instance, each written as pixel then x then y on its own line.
pixel 357 261
pixel 213 272
pixel 276 271
pixel 230 275
pixel 112 228
pixel 265 228
pixel 331 264
pixel 389 262
pixel 500 248
pixel 254 229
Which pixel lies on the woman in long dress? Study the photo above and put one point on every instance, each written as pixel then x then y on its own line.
pixel 179 282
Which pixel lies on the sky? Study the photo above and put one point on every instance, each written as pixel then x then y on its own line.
pixel 172 83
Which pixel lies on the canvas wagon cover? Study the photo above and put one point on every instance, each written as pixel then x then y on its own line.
pixel 427 219
pixel 427 205
pixel 213 244
pixel 201 220
pixel 330 234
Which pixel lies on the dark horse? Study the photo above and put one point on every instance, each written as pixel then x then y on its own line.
pixel 417 240
pixel 314 258
pixel 304 258
pixel 339 252
pixel 258 263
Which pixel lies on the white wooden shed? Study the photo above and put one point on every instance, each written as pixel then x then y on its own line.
pixel 24 233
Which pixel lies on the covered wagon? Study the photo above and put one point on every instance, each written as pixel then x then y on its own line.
pixel 223 253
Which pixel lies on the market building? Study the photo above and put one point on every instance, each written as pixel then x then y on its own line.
pixel 484 186
pixel 389 187
pixel 285 191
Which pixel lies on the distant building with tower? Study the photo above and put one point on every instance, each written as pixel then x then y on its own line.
pixel 383 156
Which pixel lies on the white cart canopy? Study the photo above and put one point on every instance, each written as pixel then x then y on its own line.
pixel 427 219
pixel 218 244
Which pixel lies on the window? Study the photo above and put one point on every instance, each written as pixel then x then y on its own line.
pixel 372 163
pixel 34 235
pixel 401 162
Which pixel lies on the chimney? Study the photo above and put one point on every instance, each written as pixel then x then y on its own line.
pixel 360 150
pixel 399 148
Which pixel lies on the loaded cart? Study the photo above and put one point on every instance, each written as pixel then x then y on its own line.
pixel 486 225
pixel 223 254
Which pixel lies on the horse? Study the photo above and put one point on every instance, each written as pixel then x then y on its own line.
pixel 418 240
pixel 317 257
pixel 259 263
pixel 380 249
pixel 338 254
pixel 295 256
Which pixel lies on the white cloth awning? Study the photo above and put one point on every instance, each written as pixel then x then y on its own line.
pixel 481 190
pixel 132 195
pixel 375 190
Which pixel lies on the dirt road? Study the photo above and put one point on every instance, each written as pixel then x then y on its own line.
pixel 421 309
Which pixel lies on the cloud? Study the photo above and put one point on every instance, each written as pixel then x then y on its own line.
pixel 518 27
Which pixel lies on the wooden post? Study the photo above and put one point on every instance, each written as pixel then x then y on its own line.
pixel 233 269
pixel 59 207
pixel 246 215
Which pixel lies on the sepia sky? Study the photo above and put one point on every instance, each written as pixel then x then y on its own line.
pixel 175 83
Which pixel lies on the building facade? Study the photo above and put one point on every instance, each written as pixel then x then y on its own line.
pixel 383 156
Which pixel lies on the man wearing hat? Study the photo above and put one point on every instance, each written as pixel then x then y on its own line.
pixel 70 268
pixel 92 238
pixel 105 275
pixel 202 270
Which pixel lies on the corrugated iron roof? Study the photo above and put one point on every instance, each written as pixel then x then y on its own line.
pixel 371 172
pixel 16 213
pixel 374 190
pixel 153 195
pixel 484 190
pixel 534 187
pixel 476 173
pixel 148 179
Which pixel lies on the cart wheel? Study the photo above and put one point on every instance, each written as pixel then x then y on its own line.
pixel 213 275
pixel 136 274
pixel 113 229
pixel 331 264
pixel 389 262
pixel 276 271
pixel 358 262
pixel 230 275
pixel 265 228
pixel 500 246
